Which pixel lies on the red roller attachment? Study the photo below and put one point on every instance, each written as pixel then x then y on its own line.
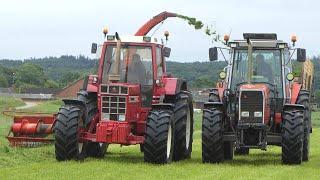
pixel 28 128
pixel 31 129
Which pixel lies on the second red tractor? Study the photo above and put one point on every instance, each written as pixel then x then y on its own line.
pixel 258 102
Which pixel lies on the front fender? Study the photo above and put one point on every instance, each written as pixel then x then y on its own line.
pixel 80 104
pixel 74 102
pixel 209 105
pixel 288 107
pixel 173 86
pixel 166 106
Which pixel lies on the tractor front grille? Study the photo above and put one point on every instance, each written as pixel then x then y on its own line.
pixel 114 89
pixel 251 107
pixel 114 106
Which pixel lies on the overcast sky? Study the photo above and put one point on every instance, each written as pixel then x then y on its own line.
pixel 39 28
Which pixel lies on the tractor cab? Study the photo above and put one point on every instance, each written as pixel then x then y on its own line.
pixel 129 68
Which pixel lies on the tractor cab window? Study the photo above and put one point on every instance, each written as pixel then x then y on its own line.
pixel 159 62
pixel 266 68
pixel 135 64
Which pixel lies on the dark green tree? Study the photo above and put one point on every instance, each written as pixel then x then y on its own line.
pixel 30 74
pixel 3 81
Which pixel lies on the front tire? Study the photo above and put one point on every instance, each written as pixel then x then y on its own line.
pixel 214 96
pixel 241 151
pixel 66 130
pixel 303 99
pixel 212 133
pixel 183 114
pixel 159 137
pixel 292 137
pixel 228 150
pixel 95 149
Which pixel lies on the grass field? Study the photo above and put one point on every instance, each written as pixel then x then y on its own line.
pixel 127 162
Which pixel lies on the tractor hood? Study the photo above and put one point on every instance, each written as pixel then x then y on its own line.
pixel 253 103
pixel 120 89
pixel 258 86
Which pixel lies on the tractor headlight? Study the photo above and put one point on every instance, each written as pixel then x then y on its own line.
pixel 290 77
pixel 122 117
pixel 105 116
pixel 245 114
pixel 222 75
pixel 258 114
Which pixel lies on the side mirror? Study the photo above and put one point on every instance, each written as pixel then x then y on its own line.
pixel 213 54
pixel 301 55
pixel 94 48
pixel 166 52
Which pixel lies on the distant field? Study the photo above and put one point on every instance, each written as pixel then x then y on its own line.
pixel 127 162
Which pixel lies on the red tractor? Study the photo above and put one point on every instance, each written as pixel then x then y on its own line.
pixel 132 100
pixel 258 102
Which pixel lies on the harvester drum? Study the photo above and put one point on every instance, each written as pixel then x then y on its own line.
pixel 30 129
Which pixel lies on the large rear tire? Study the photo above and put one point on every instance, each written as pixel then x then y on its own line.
pixel 292 137
pixel 183 120
pixel 66 132
pixel 159 137
pixel 212 133
pixel 303 99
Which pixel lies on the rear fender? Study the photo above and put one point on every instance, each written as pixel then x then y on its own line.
pixel 221 86
pixel 90 83
pixel 173 86
pixel 296 87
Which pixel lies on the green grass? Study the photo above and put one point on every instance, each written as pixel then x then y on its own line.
pixel 316 119
pixel 47 107
pixel 127 162
pixel 9 102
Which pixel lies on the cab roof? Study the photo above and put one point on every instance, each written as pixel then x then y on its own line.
pixel 267 40
pixel 133 39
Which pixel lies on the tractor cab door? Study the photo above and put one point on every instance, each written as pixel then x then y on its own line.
pixel 147 84
pixel 142 73
pixel 154 72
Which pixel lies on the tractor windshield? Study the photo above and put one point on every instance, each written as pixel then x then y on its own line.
pixel 135 64
pixel 266 67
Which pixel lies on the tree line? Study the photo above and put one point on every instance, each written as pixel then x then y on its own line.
pixel 57 72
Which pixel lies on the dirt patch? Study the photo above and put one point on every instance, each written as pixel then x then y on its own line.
pixel 28 104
